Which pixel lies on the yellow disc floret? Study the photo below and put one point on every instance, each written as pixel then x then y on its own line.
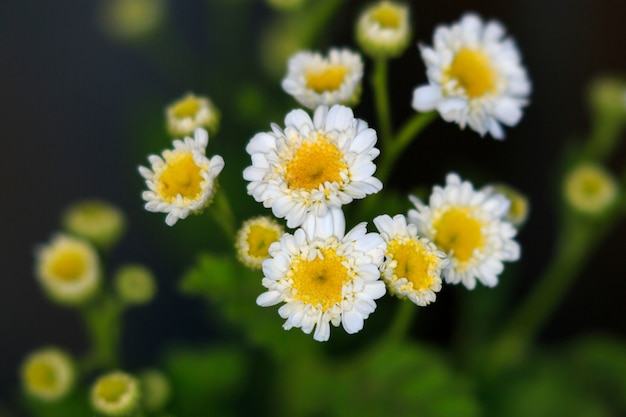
pixel 329 78
pixel 459 233
pixel 48 374
pixel 181 176
pixel 473 71
pixel 69 264
pixel 186 107
pixel 412 263
pixel 314 164
pixel 255 238
pixel 320 281
pixel 387 15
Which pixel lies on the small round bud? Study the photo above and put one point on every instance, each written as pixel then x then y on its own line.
pixel 608 96
pixel 590 189
pixel 132 20
pixel 135 284
pixel 97 221
pixel 115 394
pixel 519 208
pixel 383 30
pixel 68 268
pixel 155 389
pixel 48 374
pixel 254 240
pixel 190 112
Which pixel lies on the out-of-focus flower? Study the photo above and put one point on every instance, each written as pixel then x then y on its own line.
pixel 413 264
pixel 99 222
pixel 115 394
pixel 191 112
pixel 132 20
pixel 254 240
pixel 519 207
pixel 607 96
pixel 135 284
pixel 383 29
pixel 475 77
pixel 590 189
pixel 315 80
pixel 312 165
pixel 182 180
pixel 324 278
pixel 68 268
pixel 48 374
pixel 155 390
pixel 467 225
pixel 286 5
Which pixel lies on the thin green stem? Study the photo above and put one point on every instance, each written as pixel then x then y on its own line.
pixel 317 20
pixel 223 214
pixel 405 313
pixel 102 323
pixel 381 97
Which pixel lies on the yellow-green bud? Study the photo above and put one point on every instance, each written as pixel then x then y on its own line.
pixel 190 112
pixel 135 284
pixel 48 374
pixel 132 20
pixel 519 208
pixel 254 240
pixel 608 96
pixel 383 30
pixel 97 221
pixel 155 388
pixel 68 269
pixel 590 189
pixel 115 394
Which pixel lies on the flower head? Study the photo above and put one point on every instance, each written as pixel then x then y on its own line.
pixel 115 394
pixel 183 179
pixel 413 264
pixel 132 20
pixel 48 374
pixel 324 277
pixel 254 240
pixel 315 80
pixel 312 165
pixel 590 189
pixel 135 284
pixel 191 112
pixel 519 207
pixel 383 29
pixel 97 221
pixel 155 390
pixel 68 268
pixel 467 225
pixel 475 77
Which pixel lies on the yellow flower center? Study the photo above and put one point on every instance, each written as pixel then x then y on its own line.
pixel 458 233
pixel 387 16
pixel 187 107
pixel 329 78
pixel 413 263
pixel 112 389
pixel 259 240
pixel 320 282
pixel 180 176
pixel 473 71
pixel 314 164
pixel 68 265
pixel 41 376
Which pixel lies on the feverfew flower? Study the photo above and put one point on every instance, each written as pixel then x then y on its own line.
pixel 68 268
pixel 475 77
pixel 48 374
pixel 324 278
pixel 254 240
pixel 191 112
pixel 314 80
pixel 383 29
pixel 312 165
pixel 116 394
pixel 467 225
pixel 183 179
pixel 413 264
pixel 590 189
pixel 99 222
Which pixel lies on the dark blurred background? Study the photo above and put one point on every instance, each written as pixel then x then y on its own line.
pixel 80 110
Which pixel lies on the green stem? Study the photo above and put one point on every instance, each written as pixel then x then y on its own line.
pixel 604 135
pixel 381 94
pixel 405 313
pixel 223 214
pixel 317 20
pixel 102 322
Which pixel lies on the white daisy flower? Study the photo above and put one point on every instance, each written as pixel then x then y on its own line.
pixel 467 225
pixel 183 179
pixel 314 80
pixel 312 165
pixel 413 264
pixel 383 29
pixel 324 278
pixel 191 112
pixel 475 77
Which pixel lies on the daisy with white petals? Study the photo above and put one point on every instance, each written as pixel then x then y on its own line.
pixel 191 112
pixel 475 77
pixel 324 278
pixel 313 79
pixel 312 165
pixel 467 225
pixel 182 180
pixel 413 264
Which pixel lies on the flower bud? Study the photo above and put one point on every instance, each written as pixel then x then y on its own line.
pixel 155 388
pixel 190 112
pixel 590 189
pixel 132 20
pixel 115 394
pixel 383 30
pixel 48 374
pixel 254 240
pixel 519 208
pixel 135 284
pixel 97 221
